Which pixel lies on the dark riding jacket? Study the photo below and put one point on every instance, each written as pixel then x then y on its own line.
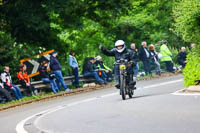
pixel 126 54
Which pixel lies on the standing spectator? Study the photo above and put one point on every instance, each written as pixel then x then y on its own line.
pixel 103 68
pixel 154 58
pixel 166 57
pixel 25 80
pixel 88 70
pixel 136 68
pixel 74 65
pixel 56 68
pixel 7 81
pixel 5 93
pixel 192 46
pixel 45 76
pixel 182 57
pixel 144 56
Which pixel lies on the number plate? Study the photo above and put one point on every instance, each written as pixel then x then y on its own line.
pixel 122 67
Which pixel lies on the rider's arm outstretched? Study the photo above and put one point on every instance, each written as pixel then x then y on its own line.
pixel 107 52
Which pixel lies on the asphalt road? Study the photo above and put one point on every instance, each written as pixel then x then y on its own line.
pixel 154 109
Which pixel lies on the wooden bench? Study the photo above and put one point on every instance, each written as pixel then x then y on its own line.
pixel 68 80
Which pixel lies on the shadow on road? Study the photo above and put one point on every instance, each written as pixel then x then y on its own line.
pixel 148 95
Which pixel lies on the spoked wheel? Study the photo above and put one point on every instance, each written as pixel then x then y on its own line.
pixel 122 86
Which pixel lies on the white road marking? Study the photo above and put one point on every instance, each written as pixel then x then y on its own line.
pixel 180 93
pixel 111 94
pixel 20 125
pixel 161 84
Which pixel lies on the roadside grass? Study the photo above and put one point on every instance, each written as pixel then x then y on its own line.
pixel 27 98
pixel 38 97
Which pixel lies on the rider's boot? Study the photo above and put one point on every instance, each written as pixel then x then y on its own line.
pixel 132 83
pixel 117 85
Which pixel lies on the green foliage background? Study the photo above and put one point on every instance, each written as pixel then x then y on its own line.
pixel 186 14
pixel 29 27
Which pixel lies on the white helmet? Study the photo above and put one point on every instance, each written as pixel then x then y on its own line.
pixel 98 57
pixel 120 43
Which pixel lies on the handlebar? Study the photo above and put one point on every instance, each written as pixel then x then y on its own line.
pixel 121 61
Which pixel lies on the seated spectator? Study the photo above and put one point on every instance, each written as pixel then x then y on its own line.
pixel 56 68
pixel 102 67
pixel 25 80
pixel 74 65
pixel 7 82
pixel 46 77
pixel 154 58
pixel 182 57
pixel 4 93
pixel 89 71
pixel 101 73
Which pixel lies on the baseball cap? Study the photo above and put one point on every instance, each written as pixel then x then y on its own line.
pixel 54 52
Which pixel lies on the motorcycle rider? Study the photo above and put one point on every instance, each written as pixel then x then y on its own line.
pixel 121 52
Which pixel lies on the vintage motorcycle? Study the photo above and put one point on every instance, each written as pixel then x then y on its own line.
pixel 125 78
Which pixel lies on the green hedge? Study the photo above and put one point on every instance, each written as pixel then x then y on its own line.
pixel 192 70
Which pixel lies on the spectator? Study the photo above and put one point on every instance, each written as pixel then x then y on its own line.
pixel 101 73
pixel 182 57
pixel 74 65
pixel 88 70
pixel 144 56
pixel 104 69
pixel 136 68
pixel 5 93
pixel 154 58
pixel 7 82
pixel 166 57
pixel 56 68
pixel 192 46
pixel 45 76
pixel 25 80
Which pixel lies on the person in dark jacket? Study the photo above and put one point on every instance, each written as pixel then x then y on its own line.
pixel 182 57
pixel 120 52
pixel 136 68
pixel 46 77
pixel 7 81
pixel 89 70
pixel 144 56
pixel 4 93
pixel 154 59
pixel 56 68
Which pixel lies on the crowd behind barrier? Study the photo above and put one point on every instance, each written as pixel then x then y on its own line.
pixel 94 69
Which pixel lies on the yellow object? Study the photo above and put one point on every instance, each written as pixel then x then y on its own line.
pixel 122 67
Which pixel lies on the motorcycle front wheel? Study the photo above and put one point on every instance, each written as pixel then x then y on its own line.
pixel 122 86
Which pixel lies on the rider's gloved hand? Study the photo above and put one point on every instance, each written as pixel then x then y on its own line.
pixel 101 47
